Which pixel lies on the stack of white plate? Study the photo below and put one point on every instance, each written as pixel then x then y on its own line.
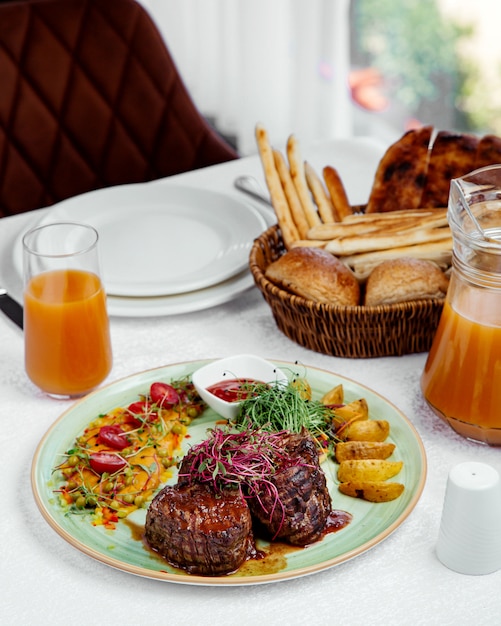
pixel 166 249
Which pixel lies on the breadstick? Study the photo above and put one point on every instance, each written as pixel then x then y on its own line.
pixel 323 202
pixel 337 192
pixel 295 206
pixel 309 243
pixel 278 199
pixel 296 167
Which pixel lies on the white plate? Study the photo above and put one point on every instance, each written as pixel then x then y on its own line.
pixel 164 240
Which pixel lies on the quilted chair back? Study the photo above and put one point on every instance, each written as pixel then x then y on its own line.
pixel 90 97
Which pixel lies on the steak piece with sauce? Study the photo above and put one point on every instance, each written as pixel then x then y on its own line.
pixel 300 514
pixel 200 531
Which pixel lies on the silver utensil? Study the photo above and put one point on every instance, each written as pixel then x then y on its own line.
pixel 12 309
pixel 249 185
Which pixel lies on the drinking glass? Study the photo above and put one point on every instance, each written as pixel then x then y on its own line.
pixel 66 327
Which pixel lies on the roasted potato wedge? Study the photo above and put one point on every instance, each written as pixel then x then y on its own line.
pixel 357 407
pixel 334 395
pixel 367 430
pixel 372 491
pixel 346 450
pixel 368 470
pixel 349 413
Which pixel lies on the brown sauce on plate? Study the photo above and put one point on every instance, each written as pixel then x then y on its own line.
pixel 268 559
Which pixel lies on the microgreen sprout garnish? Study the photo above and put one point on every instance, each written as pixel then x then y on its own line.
pixel 245 460
pixel 287 407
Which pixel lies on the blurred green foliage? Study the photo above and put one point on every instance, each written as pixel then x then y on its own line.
pixel 417 50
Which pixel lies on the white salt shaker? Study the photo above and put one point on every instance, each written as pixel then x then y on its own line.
pixel 469 540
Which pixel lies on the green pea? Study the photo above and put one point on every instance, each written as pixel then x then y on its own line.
pixel 80 502
pixel 139 501
pixel 177 429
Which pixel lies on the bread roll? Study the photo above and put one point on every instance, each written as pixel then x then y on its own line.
pixel 404 279
pixel 316 275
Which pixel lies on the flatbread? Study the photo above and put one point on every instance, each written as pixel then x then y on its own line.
pixel 401 173
pixel 488 151
pixel 386 223
pixel 440 252
pixel 452 156
pixel 370 242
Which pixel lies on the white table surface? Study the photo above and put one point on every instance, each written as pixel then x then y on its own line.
pixel 44 580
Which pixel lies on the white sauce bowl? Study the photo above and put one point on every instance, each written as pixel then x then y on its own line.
pixel 243 366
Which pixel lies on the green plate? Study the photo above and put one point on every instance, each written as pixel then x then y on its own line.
pixel 123 548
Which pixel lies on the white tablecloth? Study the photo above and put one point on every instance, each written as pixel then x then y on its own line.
pixel 44 580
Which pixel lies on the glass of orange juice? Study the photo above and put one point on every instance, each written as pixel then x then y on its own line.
pixel 66 327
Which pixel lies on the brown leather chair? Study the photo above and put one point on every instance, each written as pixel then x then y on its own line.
pixel 90 97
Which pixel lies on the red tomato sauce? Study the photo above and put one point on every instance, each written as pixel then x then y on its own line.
pixel 233 390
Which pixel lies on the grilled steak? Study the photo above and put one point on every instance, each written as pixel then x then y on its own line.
pixel 300 513
pixel 199 531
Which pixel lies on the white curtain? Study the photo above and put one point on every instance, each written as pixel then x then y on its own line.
pixel 284 63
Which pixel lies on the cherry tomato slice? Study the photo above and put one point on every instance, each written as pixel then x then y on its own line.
pixel 102 462
pixel 130 419
pixel 164 395
pixel 113 437
pixel 141 407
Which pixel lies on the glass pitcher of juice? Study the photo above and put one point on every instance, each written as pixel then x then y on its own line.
pixel 462 377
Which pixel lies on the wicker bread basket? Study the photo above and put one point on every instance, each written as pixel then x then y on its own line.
pixel 344 331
